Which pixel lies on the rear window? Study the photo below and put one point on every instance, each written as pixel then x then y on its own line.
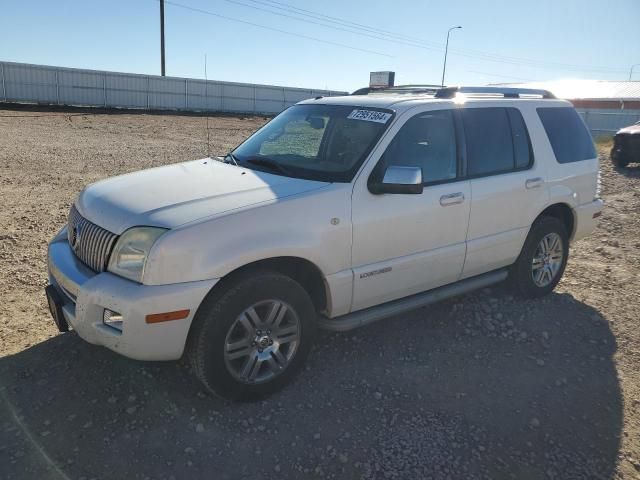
pixel 568 135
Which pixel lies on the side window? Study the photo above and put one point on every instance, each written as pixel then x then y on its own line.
pixel 521 142
pixel 427 140
pixel 497 141
pixel 568 135
pixel 488 137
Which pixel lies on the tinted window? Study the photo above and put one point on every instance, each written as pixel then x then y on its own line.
pixel 427 140
pixel 569 137
pixel 497 140
pixel 489 144
pixel 521 143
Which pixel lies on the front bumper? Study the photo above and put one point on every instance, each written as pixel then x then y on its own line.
pixel 627 146
pixel 87 294
pixel 586 218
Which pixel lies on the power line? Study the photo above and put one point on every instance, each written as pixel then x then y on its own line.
pixel 336 23
pixel 323 17
pixel 285 32
pixel 334 27
pixel 414 41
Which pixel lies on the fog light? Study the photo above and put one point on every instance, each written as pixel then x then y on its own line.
pixel 112 319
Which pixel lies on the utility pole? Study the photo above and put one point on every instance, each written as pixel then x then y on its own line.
pixel 631 71
pixel 446 49
pixel 162 37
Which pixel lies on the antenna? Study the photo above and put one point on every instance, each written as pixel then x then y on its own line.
pixel 206 103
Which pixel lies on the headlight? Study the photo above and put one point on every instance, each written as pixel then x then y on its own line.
pixel 130 253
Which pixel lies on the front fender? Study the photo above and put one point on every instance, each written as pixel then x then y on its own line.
pixel 315 227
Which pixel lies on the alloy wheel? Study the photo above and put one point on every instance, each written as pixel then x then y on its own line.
pixel 547 260
pixel 262 341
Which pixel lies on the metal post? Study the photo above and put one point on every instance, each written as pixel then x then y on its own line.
pixel 255 106
pixel 446 49
pixel 4 88
pixel 162 37
pixel 147 92
pixel 186 94
pixel 284 98
pixel 57 89
pixel 104 89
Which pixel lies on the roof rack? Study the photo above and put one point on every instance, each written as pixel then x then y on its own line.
pixel 506 92
pixel 450 92
pixel 409 89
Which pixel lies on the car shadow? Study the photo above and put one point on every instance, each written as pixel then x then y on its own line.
pixel 482 386
pixel 631 171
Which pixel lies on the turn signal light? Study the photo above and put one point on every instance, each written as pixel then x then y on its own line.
pixel 167 316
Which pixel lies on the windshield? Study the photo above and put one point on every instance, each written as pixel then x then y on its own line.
pixel 317 142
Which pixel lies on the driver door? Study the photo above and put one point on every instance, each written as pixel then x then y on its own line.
pixel 408 243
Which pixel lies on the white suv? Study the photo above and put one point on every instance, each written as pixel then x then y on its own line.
pixel 339 212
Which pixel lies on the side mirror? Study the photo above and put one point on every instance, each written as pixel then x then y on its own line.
pixel 399 179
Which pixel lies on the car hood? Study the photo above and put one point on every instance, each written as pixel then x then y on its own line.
pixel 631 129
pixel 176 194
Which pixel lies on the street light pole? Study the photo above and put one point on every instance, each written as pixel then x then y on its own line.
pixel 446 49
pixel 162 37
pixel 631 70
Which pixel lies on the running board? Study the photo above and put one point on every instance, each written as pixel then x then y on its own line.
pixel 369 315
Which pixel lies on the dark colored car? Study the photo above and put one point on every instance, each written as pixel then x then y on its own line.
pixel 626 146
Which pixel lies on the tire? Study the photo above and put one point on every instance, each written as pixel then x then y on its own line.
pixel 532 281
pixel 618 159
pixel 249 339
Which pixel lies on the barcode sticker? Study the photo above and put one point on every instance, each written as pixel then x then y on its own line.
pixel 369 116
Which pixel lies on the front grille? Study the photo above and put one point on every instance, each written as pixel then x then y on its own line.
pixel 91 244
pixel 628 144
pixel 633 143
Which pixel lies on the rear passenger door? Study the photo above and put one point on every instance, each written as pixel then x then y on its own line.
pixel 507 186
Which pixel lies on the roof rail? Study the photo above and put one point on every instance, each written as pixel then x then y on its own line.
pixel 506 92
pixel 409 89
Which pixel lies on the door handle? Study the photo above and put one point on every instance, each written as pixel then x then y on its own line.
pixel 534 182
pixel 451 199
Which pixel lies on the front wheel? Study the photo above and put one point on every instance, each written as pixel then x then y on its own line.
pixel 250 339
pixel 543 258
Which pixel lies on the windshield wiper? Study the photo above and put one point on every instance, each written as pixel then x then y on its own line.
pixel 232 157
pixel 269 163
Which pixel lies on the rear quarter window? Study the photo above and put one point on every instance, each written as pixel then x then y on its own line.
pixel 568 135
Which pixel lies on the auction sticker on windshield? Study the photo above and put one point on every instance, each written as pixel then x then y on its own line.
pixel 370 116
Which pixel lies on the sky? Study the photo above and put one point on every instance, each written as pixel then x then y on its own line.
pixel 332 44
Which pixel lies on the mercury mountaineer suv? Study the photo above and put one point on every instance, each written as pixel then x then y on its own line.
pixel 337 213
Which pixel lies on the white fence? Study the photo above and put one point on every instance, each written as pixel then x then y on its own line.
pixel 25 83
pixel 608 122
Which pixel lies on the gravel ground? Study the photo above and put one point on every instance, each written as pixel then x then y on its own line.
pixel 481 386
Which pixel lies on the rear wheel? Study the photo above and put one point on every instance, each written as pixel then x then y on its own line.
pixel 543 258
pixel 250 340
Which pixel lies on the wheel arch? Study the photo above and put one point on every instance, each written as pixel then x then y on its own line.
pixel 303 271
pixel 563 212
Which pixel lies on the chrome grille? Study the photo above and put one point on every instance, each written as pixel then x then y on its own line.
pixel 91 244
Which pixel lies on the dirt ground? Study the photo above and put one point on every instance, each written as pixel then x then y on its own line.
pixel 482 386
